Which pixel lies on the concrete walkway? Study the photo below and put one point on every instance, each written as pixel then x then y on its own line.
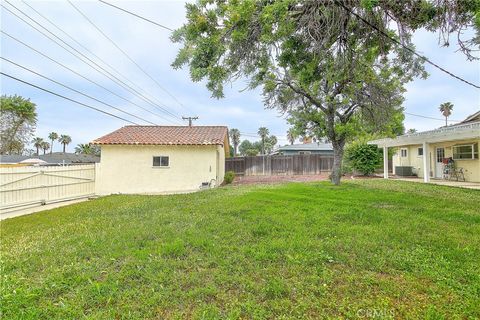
pixel 37 208
pixel 449 183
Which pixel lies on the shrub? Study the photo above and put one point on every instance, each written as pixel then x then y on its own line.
pixel 229 176
pixel 363 157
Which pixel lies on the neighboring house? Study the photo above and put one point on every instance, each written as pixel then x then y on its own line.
pixel 161 159
pixel 54 158
pixel 429 151
pixel 305 148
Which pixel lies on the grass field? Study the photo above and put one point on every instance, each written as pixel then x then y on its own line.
pixel 388 249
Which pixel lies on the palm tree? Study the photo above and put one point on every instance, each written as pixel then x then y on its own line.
pixel 446 110
pixel 263 133
pixel 45 146
pixel 83 148
pixel 64 140
pixel 87 148
pixel 291 135
pixel 37 143
pixel 410 131
pixel 270 143
pixel 52 136
pixel 235 137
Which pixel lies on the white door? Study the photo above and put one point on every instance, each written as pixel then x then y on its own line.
pixel 439 156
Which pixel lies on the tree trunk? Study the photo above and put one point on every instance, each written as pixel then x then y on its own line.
pixel 51 147
pixel 338 147
pixel 64 145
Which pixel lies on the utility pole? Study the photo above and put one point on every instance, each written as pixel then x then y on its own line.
pixel 190 119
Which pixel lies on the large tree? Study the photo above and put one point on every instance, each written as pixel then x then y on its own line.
pixel 18 118
pixel 247 148
pixel 318 61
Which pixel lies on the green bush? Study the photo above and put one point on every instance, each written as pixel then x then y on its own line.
pixel 229 176
pixel 363 157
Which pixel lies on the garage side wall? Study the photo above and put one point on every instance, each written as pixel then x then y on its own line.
pixel 129 169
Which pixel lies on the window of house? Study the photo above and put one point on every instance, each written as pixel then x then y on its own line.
pixel 420 151
pixel 403 153
pixel 304 152
pixel 161 161
pixel 465 151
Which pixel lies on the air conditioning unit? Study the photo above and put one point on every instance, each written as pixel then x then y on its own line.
pixel 404 171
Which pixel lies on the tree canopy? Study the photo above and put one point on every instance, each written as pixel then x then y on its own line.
pixel 18 118
pixel 87 148
pixel 327 64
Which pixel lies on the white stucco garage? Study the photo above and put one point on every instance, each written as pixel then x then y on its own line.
pixel 161 159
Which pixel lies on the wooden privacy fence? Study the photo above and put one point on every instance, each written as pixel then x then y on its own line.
pixel 22 187
pixel 280 165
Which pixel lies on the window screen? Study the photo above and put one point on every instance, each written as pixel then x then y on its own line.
pixel 469 151
pixel 403 153
pixel 161 161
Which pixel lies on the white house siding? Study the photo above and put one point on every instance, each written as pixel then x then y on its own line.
pixel 471 167
pixel 129 168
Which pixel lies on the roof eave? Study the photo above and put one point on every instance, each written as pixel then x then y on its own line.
pixel 155 144
pixel 446 134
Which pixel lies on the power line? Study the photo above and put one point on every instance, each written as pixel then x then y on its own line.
pixel 80 75
pixel 79 92
pixel 137 15
pixel 421 56
pixel 109 76
pixel 427 117
pixel 67 98
pixel 88 50
pixel 127 55
pixel 405 47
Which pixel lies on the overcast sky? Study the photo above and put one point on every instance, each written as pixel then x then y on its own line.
pixel 149 46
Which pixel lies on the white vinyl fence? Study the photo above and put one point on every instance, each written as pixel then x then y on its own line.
pixel 22 187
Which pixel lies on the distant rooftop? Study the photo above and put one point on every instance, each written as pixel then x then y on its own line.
pixel 313 146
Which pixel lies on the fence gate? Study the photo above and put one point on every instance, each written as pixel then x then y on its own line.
pixel 22 187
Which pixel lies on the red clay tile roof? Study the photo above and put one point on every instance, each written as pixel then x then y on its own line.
pixel 166 135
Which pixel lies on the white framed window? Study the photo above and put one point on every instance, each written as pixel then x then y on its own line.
pixel 403 153
pixel 420 152
pixel 465 151
pixel 161 161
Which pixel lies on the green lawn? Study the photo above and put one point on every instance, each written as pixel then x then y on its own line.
pixel 298 250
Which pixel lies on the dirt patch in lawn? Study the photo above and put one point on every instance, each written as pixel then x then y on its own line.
pixel 241 180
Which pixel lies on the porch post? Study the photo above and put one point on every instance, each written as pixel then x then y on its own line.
pixel 426 163
pixel 385 162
